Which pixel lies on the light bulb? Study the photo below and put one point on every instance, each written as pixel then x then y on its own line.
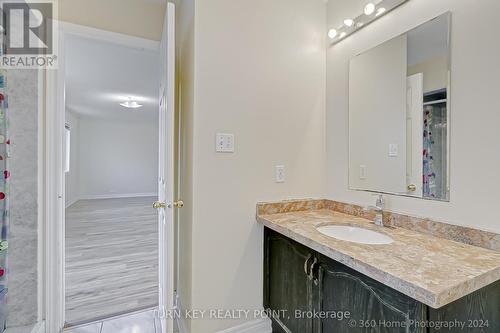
pixel 131 104
pixel 348 22
pixel 369 8
pixel 380 11
pixel 332 33
pixel 342 35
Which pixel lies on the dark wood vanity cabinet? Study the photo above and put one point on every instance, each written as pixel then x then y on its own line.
pixel 305 291
pixel 287 287
pixel 372 306
pixel 478 312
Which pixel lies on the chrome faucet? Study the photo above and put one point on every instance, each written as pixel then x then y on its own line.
pixel 379 210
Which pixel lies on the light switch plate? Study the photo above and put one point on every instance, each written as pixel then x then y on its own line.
pixel 362 171
pixel 224 143
pixel 280 174
pixel 393 150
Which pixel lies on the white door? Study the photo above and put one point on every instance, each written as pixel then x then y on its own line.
pixel 414 133
pixel 166 204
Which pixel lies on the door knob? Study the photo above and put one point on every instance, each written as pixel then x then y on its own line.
pixel 412 187
pixel 159 205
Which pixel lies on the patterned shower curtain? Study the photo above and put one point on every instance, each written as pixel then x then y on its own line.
pixel 429 173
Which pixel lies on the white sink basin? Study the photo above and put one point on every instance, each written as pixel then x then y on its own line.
pixel 355 234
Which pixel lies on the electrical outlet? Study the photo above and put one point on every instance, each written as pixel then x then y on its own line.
pixel 224 143
pixel 280 173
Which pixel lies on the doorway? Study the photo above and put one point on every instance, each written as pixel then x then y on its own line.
pixel 60 133
pixel 110 171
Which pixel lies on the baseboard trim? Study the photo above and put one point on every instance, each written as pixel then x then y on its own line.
pixel 117 196
pixel 72 202
pixel 37 328
pixel 254 326
pixel 263 325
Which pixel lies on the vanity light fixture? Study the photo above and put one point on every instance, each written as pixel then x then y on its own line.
pixel 348 22
pixel 131 104
pixel 369 8
pixel 372 11
pixel 380 11
pixel 332 33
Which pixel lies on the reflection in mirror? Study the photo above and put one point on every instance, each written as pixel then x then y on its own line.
pixel 399 114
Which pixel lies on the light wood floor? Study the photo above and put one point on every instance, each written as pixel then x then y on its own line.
pixel 111 258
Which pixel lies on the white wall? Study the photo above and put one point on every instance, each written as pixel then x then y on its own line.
pixel 72 178
pixel 116 158
pixel 375 121
pixel 259 72
pixel 435 71
pixel 474 115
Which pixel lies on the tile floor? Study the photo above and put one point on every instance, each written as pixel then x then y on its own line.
pixel 139 322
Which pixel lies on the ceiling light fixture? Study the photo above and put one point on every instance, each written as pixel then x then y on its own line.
pixel 131 104
pixel 348 22
pixel 332 33
pixel 369 8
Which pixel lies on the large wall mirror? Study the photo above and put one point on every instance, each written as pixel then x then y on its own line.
pixel 399 114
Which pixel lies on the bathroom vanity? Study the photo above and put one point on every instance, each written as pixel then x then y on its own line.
pixel 416 283
pixel 334 267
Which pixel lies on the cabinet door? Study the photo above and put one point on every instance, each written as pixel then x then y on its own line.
pixel 371 306
pixel 478 312
pixel 287 288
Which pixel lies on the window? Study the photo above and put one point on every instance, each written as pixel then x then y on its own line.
pixel 67 146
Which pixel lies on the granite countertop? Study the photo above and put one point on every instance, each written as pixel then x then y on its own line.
pixel 432 270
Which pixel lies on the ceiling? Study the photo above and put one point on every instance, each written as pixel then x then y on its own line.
pixel 140 18
pixel 101 75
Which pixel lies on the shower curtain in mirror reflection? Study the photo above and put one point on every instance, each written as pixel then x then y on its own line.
pixel 433 171
pixel 429 174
